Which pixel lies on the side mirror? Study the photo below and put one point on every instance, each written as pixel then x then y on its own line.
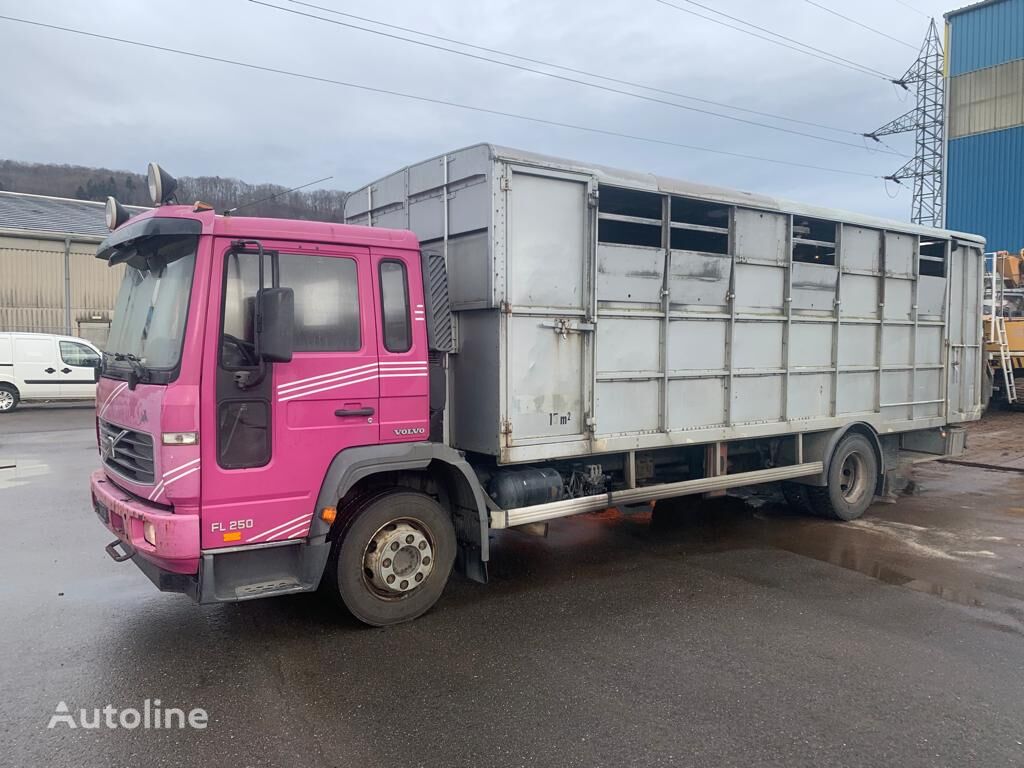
pixel 276 331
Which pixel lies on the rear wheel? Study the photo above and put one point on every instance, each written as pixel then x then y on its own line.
pixel 8 398
pixel 393 560
pixel 852 477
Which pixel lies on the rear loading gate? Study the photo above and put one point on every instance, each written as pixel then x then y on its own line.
pixel 600 311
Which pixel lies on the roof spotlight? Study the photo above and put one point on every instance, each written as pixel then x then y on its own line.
pixel 116 214
pixel 161 184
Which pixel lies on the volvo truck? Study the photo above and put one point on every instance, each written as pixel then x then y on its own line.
pixel 495 339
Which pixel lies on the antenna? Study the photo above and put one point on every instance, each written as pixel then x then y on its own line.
pixel 276 194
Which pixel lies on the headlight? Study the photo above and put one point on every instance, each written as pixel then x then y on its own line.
pixel 180 438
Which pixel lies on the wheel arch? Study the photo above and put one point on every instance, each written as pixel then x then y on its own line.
pixel 821 446
pixel 355 471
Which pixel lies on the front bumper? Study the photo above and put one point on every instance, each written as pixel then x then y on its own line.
pixel 176 535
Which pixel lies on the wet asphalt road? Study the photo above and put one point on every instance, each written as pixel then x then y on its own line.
pixel 740 635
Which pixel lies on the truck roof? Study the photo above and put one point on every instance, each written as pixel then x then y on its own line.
pixel 252 227
pixel 665 184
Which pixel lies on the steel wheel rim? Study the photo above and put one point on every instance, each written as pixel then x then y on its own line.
pixel 6 400
pixel 853 478
pixel 398 559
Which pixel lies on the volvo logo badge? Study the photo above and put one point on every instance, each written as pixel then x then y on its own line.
pixel 108 445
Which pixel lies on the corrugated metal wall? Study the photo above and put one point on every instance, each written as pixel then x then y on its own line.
pixel 32 291
pixel 985 151
pixel 985 194
pixel 986 36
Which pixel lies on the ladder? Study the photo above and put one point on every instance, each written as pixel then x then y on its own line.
pixel 1004 356
pixel 995 291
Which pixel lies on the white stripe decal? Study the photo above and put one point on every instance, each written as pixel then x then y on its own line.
pixel 296 395
pixel 345 377
pixel 292 396
pixel 117 391
pixel 289 524
pixel 289 532
pixel 299 382
pixel 165 480
pixel 183 474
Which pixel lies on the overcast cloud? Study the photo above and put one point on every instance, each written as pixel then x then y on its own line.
pixel 69 99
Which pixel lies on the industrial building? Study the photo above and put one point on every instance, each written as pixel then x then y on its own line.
pixel 50 279
pixel 985 122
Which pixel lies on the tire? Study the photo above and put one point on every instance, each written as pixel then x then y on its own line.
pixel 796 497
pixel 8 398
pixel 381 591
pixel 852 478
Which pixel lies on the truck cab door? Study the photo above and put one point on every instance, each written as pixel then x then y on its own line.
pixel 401 347
pixel 271 442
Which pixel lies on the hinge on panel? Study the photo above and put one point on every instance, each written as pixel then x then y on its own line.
pixel 506 183
pixel 590 421
pixel 593 198
pixel 506 427
pixel 505 308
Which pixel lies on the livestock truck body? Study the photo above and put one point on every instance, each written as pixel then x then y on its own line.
pixel 497 339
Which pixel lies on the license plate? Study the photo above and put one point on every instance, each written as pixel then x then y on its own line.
pixel 101 512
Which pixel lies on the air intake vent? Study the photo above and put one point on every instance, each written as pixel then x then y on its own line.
pixel 439 314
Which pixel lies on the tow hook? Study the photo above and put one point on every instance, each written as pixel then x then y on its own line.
pixel 119 557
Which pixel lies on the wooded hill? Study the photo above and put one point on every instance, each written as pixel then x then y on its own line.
pixel 82 183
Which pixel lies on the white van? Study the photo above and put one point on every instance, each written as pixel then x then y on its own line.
pixel 41 366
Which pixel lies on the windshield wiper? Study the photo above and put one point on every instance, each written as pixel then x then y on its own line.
pixel 139 371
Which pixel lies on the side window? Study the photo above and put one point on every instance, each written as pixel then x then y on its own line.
pixel 243 434
pixel 394 294
pixel 78 354
pixel 814 241
pixel 326 303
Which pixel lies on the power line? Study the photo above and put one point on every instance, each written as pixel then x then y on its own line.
pixel 804 48
pixel 915 10
pixel 576 71
pixel 860 24
pixel 432 100
pixel 563 78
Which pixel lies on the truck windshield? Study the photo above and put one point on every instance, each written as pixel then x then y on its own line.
pixel 149 316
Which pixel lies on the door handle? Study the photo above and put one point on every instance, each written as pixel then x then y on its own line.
pixel 354 412
pixel 65 370
pixel 51 370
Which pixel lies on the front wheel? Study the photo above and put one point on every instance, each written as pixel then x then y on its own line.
pixel 852 477
pixel 393 560
pixel 8 398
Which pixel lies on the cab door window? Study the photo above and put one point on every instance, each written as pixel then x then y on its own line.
pixel 326 304
pixel 394 299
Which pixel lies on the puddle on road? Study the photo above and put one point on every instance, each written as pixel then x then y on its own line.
pixel 958 559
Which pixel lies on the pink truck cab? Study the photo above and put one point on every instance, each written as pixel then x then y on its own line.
pixel 255 368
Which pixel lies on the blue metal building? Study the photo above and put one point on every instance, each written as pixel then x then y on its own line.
pixel 985 122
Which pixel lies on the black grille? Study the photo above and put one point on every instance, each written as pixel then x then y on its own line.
pixel 127 452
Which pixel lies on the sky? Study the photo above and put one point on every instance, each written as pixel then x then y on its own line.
pixel 79 100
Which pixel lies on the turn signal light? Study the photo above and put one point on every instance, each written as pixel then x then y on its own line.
pixel 149 532
pixel 180 438
pixel 328 514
